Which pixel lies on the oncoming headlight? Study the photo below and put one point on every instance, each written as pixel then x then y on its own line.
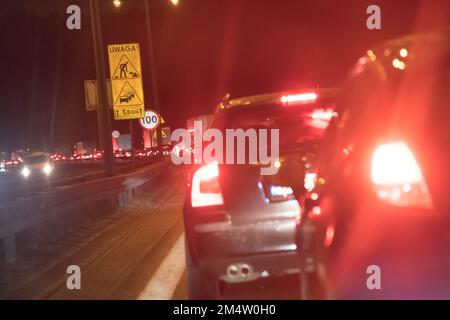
pixel 47 169
pixel 25 172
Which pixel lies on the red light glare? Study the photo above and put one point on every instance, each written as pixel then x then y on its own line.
pixel 315 212
pixel 329 236
pixel 301 97
pixel 209 175
pixel 394 164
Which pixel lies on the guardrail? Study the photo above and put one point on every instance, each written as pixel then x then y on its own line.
pixel 66 208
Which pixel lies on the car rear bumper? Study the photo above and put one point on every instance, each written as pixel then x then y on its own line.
pixel 252 267
pixel 227 239
pixel 245 252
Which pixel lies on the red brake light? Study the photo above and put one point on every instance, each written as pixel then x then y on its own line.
pixel 394 164
pixel 397 176
pixel 205 186
pixel 301 97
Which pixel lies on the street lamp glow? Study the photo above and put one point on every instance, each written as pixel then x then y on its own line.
pixel 174 2
pixel 117 3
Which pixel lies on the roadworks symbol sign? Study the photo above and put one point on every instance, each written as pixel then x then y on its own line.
pixel 128 97
pixel 125 69
pixel 126 81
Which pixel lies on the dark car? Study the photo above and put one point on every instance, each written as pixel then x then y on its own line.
pixel 242 226
pixel 382 221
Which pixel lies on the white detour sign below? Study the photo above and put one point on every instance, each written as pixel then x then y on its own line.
pixel 126 81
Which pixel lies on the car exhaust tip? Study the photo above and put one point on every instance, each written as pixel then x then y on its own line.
pixel 245 270
pixel 232 271
pixel 240 270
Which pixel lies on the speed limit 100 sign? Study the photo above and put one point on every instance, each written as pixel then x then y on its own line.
pixel 150 121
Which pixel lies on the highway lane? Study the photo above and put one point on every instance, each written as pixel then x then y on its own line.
pixel 13 184
pixel 135 253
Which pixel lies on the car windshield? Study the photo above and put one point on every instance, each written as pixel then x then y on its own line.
pixel 36 159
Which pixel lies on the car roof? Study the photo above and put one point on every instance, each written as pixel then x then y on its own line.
pixel 37 154
pixel 273 98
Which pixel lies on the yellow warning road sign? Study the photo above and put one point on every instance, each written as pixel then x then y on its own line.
pixel 128 97
pixel 126 81
pixel 125 69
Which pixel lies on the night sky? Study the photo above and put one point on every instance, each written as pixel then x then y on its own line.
pixel 203 49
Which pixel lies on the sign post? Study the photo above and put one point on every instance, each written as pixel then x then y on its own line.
pixel 104 123
pixel 133 163
pixel 126 81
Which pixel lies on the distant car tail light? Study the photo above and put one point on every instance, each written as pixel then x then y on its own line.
pixel 205 186
pixel 397 176
pixel 298 98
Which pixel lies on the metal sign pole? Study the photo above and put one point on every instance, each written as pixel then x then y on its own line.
pixel 152 67
pixel 133 163
pixel 103 112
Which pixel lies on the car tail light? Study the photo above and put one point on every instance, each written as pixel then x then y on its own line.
pixel 205 186
pixel 298 98
pixel 397 176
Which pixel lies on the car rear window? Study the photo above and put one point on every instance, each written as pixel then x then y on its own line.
pixel 296 124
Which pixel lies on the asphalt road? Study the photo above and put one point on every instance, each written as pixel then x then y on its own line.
pixel 134 253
